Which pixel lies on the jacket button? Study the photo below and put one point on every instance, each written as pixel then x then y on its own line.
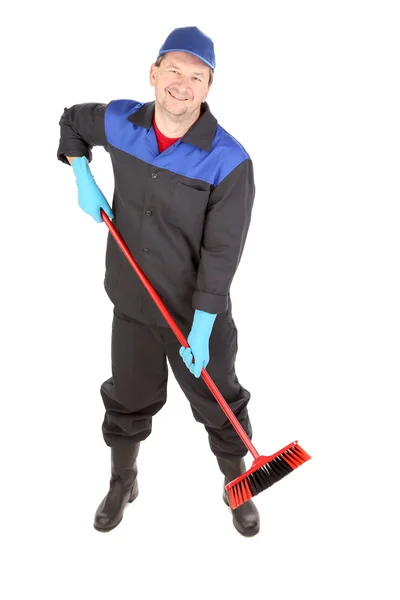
pixel 154 175
pixel 148 213
pixel 145 249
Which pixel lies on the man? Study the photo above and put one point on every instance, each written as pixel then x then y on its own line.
pixel 182 202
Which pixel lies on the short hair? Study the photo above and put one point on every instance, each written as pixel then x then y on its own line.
pixel 161 58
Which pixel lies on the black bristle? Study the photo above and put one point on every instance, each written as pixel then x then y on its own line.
pixel 276 473
pixel 252 487
pixel 267 475
pixel 261 476
pixel 283 466
pixel 277 470
pixel 272 471
pixel 255 483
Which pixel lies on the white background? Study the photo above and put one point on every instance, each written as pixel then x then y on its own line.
pixel 311 89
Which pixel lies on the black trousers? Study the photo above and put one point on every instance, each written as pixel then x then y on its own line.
pixel 137 389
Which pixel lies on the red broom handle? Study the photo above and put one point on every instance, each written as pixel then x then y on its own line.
pixel 211 385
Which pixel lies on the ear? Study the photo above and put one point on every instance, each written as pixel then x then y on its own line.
pixel 153 73
pixel 208 91
pixel 205 96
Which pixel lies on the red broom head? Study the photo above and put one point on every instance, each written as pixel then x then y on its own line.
pixel 264 472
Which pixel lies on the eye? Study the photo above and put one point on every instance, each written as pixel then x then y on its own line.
pixel 197 78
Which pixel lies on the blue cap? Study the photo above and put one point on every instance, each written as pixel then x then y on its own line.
pixel 192 40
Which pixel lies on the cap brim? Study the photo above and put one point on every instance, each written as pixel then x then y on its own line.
pixel 189 52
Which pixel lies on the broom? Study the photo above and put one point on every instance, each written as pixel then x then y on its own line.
pixel 265 470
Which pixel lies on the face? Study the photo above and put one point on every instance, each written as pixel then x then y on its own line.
pixel 181 83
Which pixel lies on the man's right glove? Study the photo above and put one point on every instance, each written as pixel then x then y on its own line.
pixel 198 341
pixel 90 198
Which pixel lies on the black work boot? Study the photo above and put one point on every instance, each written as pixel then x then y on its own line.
pixel 245 517
pixel 123 487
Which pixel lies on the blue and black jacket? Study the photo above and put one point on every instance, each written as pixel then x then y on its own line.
pixel 184 213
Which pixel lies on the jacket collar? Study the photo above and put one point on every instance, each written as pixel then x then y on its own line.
pixel 201 133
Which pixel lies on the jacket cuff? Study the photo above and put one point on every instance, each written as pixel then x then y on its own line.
pixel 77 151
pixel 211 303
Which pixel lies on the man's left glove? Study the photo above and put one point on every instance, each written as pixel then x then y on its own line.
pixel 198 339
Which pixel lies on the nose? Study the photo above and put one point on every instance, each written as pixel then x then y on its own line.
pixel 182 80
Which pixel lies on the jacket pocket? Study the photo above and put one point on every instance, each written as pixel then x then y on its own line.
pixel 187 209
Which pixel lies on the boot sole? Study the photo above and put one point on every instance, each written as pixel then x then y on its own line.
pixel 107 529
pixel 245 533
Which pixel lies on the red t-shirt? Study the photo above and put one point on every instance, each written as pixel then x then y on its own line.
pixel 163 141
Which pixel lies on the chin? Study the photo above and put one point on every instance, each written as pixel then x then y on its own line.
pixel 178 111
pixel 175 110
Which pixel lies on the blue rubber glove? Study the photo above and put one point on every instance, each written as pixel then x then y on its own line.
pixel 198 339
pixel 90 197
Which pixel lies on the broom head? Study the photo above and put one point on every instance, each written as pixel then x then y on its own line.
pixel 264 472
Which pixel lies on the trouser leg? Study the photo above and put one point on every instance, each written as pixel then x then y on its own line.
pixel 223 439
pixel 137 389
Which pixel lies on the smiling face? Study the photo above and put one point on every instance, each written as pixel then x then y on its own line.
pixel 181 83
